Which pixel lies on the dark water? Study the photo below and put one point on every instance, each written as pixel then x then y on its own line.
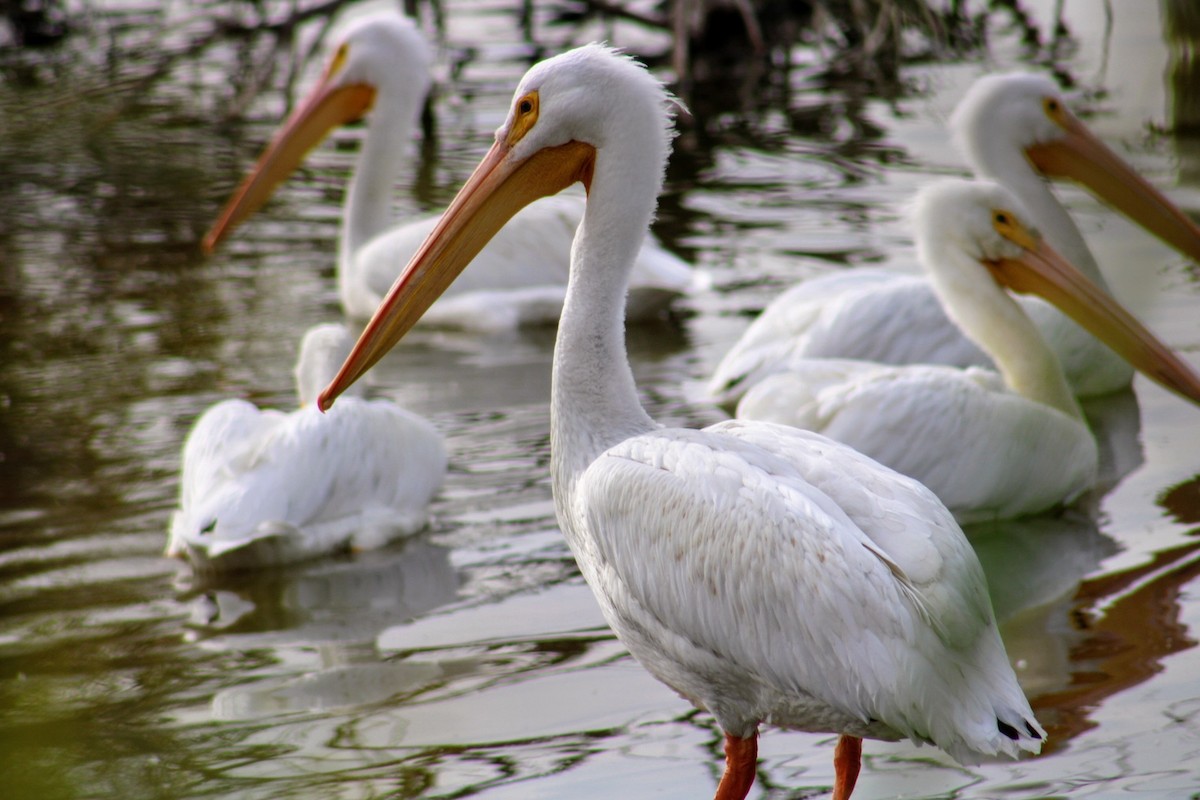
pixel 472 660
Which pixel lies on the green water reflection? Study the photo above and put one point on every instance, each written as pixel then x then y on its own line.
pixel 472 660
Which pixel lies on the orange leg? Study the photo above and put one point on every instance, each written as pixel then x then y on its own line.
pixel 741 763
pixel 847 758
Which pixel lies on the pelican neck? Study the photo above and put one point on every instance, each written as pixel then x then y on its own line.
pixel 385 146
pixel 993 320
pixel 594 403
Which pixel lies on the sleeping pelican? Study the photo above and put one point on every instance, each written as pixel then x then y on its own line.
pixel 766 574
pixel 990 446
pixel 263 487
pixel 1016 130
pixel 381 68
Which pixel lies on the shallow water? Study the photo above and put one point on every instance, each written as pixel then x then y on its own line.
pixel 472 660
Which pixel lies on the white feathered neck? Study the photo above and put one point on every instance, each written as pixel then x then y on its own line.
pixel 953 221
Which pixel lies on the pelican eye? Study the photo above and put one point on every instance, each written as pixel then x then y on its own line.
pixel 1005 224
pixel 339 59
pixel 525 117
pixel 1011 228
pixel 1054 109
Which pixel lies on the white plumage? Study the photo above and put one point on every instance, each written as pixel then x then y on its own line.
pixel 263 487
pixel 771 575
pixel 767 574
pixel 1014 129
pixel 986 452
pixel 990 446
pixel 381 68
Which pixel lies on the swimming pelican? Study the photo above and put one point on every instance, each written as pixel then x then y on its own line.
pixel 265 487
pixel 381 68
pixel 990 446
pixel 1016 130
pixel 766 574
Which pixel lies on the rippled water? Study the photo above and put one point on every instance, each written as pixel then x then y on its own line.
pixel 472 660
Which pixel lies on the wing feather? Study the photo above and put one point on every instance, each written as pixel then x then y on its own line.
pixel 802 565
pixel 986 452
pixel 358 476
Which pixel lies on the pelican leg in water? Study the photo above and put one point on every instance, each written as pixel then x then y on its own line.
pixel 262 487
pixel 990 446
pixel 1014 129
pixel 766 574
pixel 380 70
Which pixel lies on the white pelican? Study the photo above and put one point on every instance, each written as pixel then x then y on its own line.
pixel 1016 130
pixel 381 68
pixel 265 487
pixel 766 574
pixel 990 446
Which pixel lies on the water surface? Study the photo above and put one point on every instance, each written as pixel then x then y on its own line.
pixel 472 660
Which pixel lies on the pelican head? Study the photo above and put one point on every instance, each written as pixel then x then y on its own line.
pixel 382 56
pixel 986 223
pixel 1010 113
pixel 1019 120
pixel 322 351
pixel 568 114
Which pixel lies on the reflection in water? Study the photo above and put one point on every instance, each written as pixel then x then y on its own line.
pixel 1116 422
pixel 349 676
pixel 491 675
pixel 347 599
pixel 1182 501
pixel 1034 568
pixel 1181 30
pixel 1127 622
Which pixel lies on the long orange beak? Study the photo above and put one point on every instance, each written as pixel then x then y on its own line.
pixel 1042 271
pixel 498 188
pixel 325 109
pixel 1082 157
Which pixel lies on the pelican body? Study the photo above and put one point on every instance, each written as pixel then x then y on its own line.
pixel 765 573
pixel 381 69
pixel 263 487
pixel 990 446
pixel 1014 129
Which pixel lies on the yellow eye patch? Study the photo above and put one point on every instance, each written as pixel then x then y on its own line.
pixel 1054 109
pixel 1008 226
pixel 525 115
pixel 339 60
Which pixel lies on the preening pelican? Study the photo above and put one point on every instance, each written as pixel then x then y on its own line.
pixel 1016 130
pixel 990 446
pixel 381 69
pixel 265 487
pixel 766 574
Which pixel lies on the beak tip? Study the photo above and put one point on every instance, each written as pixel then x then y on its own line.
pixel 210 241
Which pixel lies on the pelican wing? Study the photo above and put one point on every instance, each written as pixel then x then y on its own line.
pixel 315 483
pixel 218 437
pixel 891 318
pixel 867 314
pixel 986 452
pixel 807 566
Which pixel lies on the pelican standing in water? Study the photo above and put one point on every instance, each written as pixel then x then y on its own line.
pixel 766 574
pixel 262 487
pixel 990 446
pixel 1014 129
pixel 381 69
